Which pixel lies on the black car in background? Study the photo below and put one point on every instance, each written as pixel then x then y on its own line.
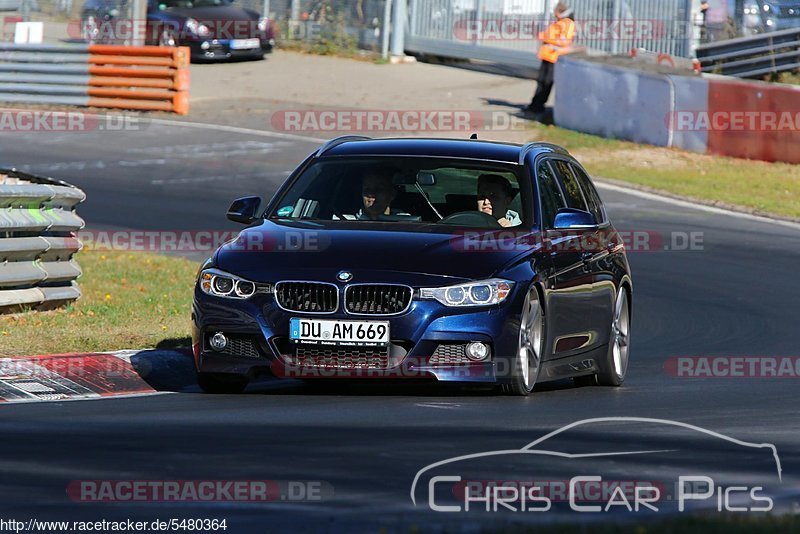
pixel 212 29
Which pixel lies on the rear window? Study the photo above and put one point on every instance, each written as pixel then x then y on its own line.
pixel 590 193
pixel 570 186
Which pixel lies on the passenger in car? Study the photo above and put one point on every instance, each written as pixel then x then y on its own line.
pixel 495 194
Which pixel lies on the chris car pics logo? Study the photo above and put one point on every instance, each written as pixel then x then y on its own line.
pixel 459 484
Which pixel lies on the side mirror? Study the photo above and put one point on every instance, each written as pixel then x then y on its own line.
pixel 572 219
pixel 244 210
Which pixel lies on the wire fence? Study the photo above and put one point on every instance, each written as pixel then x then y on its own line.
pixel 484 29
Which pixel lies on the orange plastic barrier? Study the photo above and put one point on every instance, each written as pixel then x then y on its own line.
pixel 178 104
pixel 139 77
pixel 114 81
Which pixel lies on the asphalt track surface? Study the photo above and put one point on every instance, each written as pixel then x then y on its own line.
pixel 737 296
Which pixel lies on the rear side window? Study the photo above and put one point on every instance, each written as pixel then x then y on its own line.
pixel 590 193
pixel 550 193
pixel 572 190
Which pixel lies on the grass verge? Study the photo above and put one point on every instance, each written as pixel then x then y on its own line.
pixel 754 186
pixel 130 300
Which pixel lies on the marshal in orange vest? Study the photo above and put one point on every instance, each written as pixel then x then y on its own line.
pixel 556 39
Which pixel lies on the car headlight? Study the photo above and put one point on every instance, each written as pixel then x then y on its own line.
pixel 221 284
pixel 263 24
pixel 201 30
pixel 483 293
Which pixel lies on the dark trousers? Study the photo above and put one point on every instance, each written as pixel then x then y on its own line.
pixel 543 87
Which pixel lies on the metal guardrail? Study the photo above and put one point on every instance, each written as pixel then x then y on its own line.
pixel 106 76
pixel 37 241
pixel 749 57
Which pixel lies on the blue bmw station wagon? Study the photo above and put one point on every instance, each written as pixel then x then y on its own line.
pixel 430 259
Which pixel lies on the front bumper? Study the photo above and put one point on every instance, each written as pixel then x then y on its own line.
pixel 220 49
pixel 425 342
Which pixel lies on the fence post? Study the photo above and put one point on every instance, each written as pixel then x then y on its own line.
pixel 387 24
pixel 478 21
pixel 25 10
pixel 414 14
pixel 139 22
pixel 399 15
pixel 614 24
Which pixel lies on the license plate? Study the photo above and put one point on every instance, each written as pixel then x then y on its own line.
pixel 244 44
pixel 333 332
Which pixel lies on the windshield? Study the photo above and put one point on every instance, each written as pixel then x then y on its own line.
pixel 411 190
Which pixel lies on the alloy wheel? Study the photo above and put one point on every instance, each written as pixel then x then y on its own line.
pixel 620 333
pixel 530 340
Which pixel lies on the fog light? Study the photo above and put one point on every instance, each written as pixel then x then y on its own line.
pixel 218 342
pixel 477 351
pixel 204 45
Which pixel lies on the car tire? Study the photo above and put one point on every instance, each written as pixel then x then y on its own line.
pixel 530 345
pixel 613 370
pixel 222 382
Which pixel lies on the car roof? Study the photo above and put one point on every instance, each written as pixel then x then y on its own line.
pixel 452 148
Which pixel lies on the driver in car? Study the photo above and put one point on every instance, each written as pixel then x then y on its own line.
pixel 377 194
pixel 494 197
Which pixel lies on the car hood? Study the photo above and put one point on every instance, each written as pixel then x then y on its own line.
pixel 299 250
pixel 213 13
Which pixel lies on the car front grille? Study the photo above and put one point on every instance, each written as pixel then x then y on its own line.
pixel 449 354
pixel 377 299
pixel 343 357
pixel 307 297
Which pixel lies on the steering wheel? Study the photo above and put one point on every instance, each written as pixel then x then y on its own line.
pixel 474 219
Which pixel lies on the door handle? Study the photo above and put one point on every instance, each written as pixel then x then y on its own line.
pixel 586 257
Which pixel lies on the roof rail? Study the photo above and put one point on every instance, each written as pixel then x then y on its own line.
pixel 336 141
pixel 539 144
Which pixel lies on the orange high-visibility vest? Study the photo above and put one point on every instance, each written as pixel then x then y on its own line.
pixel 556 40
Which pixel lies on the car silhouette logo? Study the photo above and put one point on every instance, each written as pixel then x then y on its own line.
pixel 538 448
pixel 344 276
